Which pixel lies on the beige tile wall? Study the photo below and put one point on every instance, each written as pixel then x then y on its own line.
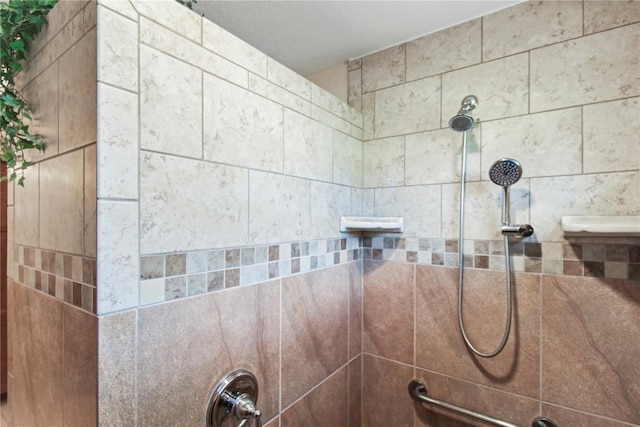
pixel 235 184
pixel 56 207
pixel 309 170
pixel 52 230
pixel 560 99
pixel 261 155
pixel 558 84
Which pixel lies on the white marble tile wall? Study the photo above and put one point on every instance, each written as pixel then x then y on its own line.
pixel 165 40
pixel 611 141
pixel 233 147
pixel 264 87
pixel 407 108
pixel 117 62
pixel 546 144
pixel 502 86
pixel 483 209
pixel 117 161
pixel 446 50
pixel 118 256
pixel 232 48
pixel 570 73
pixel 530 25
pixel 347 159
pixel 170 104
pixel 180 197
pixel 328 203
pixel 308 147
pixel 384 162
pixel 602 15
pixel 383 69
pixel 181 20
pixel 558 86
pixel 280 208
pixel 593 194
pixel 419 205
pixel 240 127
pixel 435 157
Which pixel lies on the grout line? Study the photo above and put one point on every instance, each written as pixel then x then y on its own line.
pixel 280 348
pixel 540 319
pixel 529 84
pixel 136 345
pixel 140 154
pixel 582 139
pixel 482 18
pixel 415 317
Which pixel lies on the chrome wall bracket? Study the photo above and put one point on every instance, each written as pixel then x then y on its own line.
pixel 233 402
pixel 518 230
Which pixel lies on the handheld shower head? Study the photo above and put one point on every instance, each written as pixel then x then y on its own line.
pixel 463 121
pixel 505 172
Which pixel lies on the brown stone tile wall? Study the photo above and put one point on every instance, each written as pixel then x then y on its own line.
pixel 293 333
pixel 55 346
pixel 571 351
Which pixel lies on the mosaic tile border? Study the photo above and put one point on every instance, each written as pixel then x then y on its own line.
pixel 166 277
pixel 611 261
pixel 69 278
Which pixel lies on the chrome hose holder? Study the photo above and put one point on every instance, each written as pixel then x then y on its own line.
pixel 517 230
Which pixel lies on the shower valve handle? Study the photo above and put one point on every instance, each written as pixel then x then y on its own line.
pixel 520 230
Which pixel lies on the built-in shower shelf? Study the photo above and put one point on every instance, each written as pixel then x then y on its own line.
pixel 620 226
pixel 380 224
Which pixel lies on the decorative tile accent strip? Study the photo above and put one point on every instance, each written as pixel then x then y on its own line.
pixel 164 277
pixel 611 261
pixel 70 278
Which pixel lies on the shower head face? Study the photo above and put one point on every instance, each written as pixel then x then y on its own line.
pixel 505 172
pixel 463 121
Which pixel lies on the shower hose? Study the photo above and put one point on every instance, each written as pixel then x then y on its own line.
pixel 507 329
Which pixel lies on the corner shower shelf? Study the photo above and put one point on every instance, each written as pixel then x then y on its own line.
pixel 619 226
pixel 380 224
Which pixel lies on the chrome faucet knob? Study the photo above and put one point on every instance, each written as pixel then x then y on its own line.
pixel 233 401
pixel 244 408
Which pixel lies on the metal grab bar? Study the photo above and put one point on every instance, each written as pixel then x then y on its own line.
pixel 418 392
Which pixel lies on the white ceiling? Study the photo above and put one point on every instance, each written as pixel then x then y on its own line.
pixel 309 36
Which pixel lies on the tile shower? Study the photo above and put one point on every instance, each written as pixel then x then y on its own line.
pixel 558 85
pixel 217 243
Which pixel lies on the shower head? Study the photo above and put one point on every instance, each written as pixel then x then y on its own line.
pixel 505 172
pixel 463 121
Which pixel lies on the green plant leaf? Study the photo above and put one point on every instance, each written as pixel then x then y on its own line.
pixel 20 22
pixel 10 100
pixel 18 45
pixel 15 66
